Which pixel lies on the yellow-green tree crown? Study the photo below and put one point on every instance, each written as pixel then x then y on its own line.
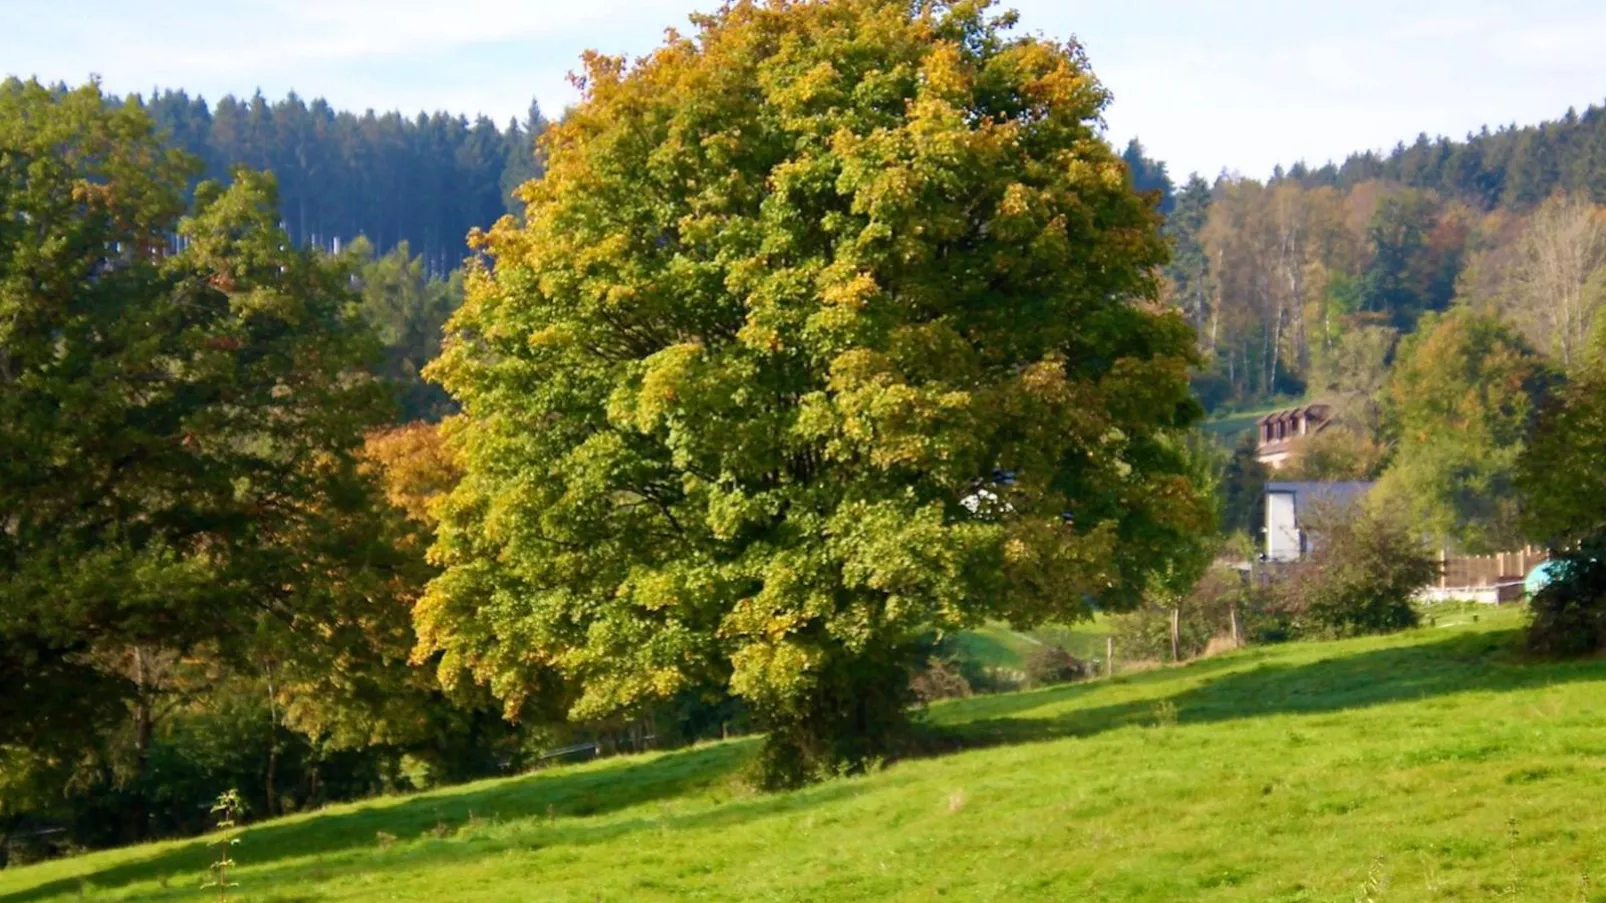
pixel 795 289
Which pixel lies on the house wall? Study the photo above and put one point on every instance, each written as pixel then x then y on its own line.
pixel 1282 527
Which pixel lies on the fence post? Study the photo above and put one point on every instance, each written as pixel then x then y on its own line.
pixel 1109 656
pixel 1444 567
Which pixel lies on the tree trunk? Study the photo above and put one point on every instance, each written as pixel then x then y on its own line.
pixel 272 780
pixel 144 731
pixel 1176 634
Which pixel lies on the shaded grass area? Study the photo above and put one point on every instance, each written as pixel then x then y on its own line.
pixel 993 646
pixel 1437 764
pixel 999 646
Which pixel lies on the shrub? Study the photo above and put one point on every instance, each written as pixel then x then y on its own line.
pixel 1049 664
pixel 1212 389
pixel 1569 614
pixel 942 678
pixel 1363 569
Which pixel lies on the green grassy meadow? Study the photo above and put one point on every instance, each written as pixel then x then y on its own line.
pixel 1431 765
pixel 999 646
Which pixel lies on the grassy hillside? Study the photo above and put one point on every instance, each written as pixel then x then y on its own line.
pixel 1433 765
pixel 999 646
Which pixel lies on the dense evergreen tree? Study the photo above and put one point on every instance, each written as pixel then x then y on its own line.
pixel 407 307
pixel 1512 166
pixel 1189 269
pixel 1149 176
pixel 1410 274
pixel 425 181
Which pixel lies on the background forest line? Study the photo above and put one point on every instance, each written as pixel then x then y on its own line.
pixel 1298 285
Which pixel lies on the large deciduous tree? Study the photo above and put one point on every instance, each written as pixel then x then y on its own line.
pixel 829 323
pixel 1463 398
pixel 181 403
pixel 1563 469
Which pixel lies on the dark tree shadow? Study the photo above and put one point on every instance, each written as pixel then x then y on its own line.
pixel 566 793
pixel 730 815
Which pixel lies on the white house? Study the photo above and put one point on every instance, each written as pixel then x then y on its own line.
pixel 1289 507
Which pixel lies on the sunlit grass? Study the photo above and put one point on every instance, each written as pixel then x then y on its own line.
pixel 1438 763
pixel 1000 646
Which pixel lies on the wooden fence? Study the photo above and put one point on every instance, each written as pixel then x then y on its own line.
pixel 1488 570
pixel 1491 579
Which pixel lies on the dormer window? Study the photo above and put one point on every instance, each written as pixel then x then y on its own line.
pixel 1277 430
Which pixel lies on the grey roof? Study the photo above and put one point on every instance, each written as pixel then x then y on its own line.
pixel 1348 489
pixel 1310 492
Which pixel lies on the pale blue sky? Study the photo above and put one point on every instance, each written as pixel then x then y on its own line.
pixel 1206 84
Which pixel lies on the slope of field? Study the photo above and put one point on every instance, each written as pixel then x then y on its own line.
pixel 999 646
pixel 1432 765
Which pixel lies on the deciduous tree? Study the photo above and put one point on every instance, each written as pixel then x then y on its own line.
pixel 1463 397
pixel 1558 280
pixel 829 323
pixel 181 400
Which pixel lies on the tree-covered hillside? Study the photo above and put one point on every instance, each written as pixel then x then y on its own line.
pixel 425 180
pixel 1303 284
pixel 1512 166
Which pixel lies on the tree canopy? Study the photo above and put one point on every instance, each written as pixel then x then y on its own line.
pixel 1562 471
pixel 829 323
pixel 1463 399
pixel 182 400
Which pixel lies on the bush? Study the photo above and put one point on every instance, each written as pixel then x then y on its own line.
pixel 942 678
pixel 1363 569
pixel 1049 664
pixel 1569 614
